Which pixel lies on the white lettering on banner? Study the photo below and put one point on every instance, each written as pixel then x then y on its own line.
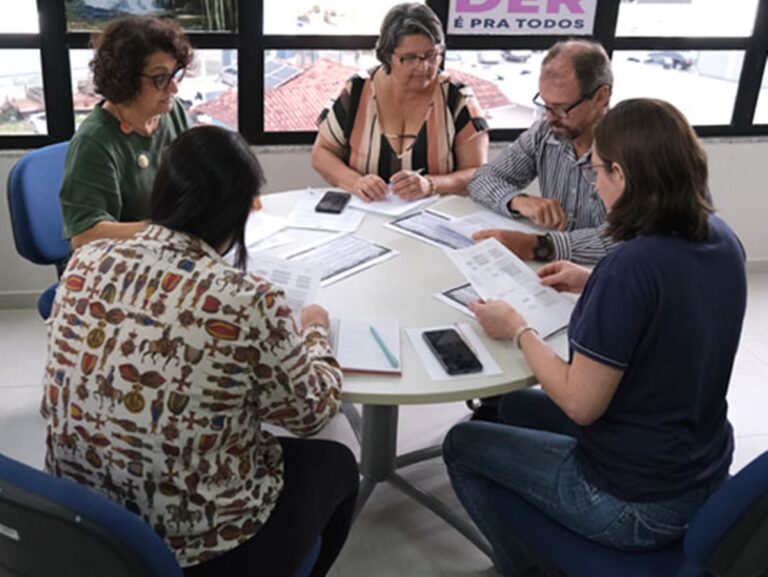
pixel 521 17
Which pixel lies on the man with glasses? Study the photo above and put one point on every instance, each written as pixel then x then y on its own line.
pixel 574 90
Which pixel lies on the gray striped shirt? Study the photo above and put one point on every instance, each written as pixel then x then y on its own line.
pixel 537 153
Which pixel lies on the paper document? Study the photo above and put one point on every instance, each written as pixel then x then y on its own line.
pixel 432 228
pixel 298 280
pixel 485 219
pixel 391 205
pixel 433 367
pixel 262 225
pixel 459 298
pixel 343 256
pixel 278 239
pixel 497 273
pixel 304 215
pixel 367 346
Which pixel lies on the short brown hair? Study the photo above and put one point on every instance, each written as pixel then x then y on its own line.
pixel 122 50
pixel 589 60
pixel 665 171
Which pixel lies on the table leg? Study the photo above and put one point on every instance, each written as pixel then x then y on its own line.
pixel 377 433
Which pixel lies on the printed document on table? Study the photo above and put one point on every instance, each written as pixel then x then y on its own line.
pixel 298 280
pixel 430 227
pixel 459 298
pixel 304 215
pixel 433 367
pixel 262 225
pixel 391 205
pixel 497 273
pixel 370 346
pixel 343 256
pixel 485 219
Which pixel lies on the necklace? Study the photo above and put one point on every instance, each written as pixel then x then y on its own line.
pixel 126 127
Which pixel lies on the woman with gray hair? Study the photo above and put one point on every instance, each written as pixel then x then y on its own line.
pixel 404 126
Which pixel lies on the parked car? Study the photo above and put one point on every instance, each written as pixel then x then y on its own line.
pixel 669 59
pixel 489 56
pixel 516 55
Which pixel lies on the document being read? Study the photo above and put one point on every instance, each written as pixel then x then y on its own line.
pixel 497 273
pixel 298 280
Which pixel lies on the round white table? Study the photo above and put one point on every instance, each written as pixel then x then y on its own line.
pixel 402 289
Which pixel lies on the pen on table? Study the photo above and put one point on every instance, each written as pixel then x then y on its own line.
pixel 383 346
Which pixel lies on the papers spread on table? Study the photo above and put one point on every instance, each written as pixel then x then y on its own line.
pixel 497 273
pixel 261 225
pixel 304 215
pixel 435 371
pixel 484 219
pixel 391 205
pixel 343 256
pixel 298 280
pixel 367 346
pixel 459 298
pixel 277 239
pixel 432 228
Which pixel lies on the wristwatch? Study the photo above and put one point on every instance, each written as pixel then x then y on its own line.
pixel 544 249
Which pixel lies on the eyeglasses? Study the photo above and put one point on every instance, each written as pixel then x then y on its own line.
pixel 430 58
pixel 562 111
pixel 589 173
pixel 161 81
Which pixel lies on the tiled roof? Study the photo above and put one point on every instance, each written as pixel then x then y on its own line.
pixel 295 105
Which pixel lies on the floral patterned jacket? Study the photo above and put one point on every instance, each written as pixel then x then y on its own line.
pixel 162 362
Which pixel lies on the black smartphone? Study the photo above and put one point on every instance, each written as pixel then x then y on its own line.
pixel 452 352
pixel 333 202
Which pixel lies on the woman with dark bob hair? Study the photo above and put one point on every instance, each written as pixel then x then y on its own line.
pixel 627 439
pixel 113 158
pixel 163 361
pixel 403 127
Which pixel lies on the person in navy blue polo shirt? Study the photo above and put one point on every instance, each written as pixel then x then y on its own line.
pixel 627 439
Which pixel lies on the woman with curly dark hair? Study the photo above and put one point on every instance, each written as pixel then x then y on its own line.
pixel 113 157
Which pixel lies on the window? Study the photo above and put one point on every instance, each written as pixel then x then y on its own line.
pixel 761 113
pixel 267 68
pixel 681 77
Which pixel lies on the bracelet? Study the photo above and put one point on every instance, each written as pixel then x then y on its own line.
pixel 520 332
pixel 432 186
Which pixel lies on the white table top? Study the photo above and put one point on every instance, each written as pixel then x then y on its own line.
pixel 402 288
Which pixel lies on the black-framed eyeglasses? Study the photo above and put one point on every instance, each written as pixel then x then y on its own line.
pixel 161 81
pixel 562 111
pixel 431 58
pixel 589 172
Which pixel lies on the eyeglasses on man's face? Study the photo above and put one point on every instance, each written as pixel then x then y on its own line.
pixel 589 172
pixel 161 81
pixel 562 110
pixel 430 58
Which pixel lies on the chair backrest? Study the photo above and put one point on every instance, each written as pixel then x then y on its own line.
pixel 33 199
pixel 732 525
pixel 53 526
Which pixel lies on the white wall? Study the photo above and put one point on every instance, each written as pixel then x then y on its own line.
pixel 738 179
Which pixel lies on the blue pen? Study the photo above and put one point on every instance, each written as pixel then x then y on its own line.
pixel 390 357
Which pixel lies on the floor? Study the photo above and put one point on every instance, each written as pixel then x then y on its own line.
pixel 393 535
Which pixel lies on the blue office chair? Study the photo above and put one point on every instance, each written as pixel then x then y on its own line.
pixel 33 198
pixel 51 526
pixel 728 535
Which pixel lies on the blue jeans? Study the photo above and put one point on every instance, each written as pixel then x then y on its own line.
pixel 537 462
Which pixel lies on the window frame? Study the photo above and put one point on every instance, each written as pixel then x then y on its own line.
pixel 54 43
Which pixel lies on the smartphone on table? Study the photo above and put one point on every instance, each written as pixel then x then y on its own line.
pixel 333 202
pixel 452 352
